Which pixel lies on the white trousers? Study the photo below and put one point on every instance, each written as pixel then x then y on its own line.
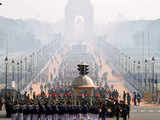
pixel 27 117
pixel 14 116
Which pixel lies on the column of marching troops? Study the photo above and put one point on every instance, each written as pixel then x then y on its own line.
pixel 55 107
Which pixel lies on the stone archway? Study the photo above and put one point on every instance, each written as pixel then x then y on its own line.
pixel 76 8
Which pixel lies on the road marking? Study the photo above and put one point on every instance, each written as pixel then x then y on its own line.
pixel 150 110
pixel 143 110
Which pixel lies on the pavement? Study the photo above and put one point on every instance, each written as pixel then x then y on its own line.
pixel 138 115
pixel 3 115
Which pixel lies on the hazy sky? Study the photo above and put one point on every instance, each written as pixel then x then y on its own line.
pixel 105 10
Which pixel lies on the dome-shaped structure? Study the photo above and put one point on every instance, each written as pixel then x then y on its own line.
pixel 83 81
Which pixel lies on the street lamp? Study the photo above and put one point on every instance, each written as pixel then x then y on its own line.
pixel 134 68
pixel 25 62
pixel 18 76
pixel 139 81
pixel 122 62
pixel 145 75
pixel 6 63
pixel 21 78
pixel 129 66
pixel 31 69
pixel 126 64
pixel 153 81
pixel 33 65
pixel 13 80
pixel 13 69
pixel 156 82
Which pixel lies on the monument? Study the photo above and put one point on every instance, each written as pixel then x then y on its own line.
pixel 83 83
pixel 78 21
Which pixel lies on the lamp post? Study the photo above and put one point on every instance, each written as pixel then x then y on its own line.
pixel 122 62
pixel 149 84
pixel 33 65
pixel 21 78
pixel 126 70
pixel 153 81
pixel 13 80
pixel 129 64
pixel 18 77
pixel 6 63
pixel 156 82
pixel 25 76
pixel 134 68
pixel 139 81
pixel 145 74
pixel 13 69
pixel 30 68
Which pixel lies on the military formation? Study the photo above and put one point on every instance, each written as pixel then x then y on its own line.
pixel 62 106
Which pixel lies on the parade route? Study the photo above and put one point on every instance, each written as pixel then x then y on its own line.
pixel 2 116
pixel 133 116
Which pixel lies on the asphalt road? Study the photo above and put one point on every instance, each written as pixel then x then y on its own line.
pixel 142 116
pixel 137 113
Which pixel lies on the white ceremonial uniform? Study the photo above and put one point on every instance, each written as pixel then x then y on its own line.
pixel 27 117
pixel 55 117
pixel 49 117
pixel 35 117
pixel 14 116
pixel 42 117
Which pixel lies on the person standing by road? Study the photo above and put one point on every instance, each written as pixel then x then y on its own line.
pixel 138 99
pixel 128 99
pixel 1 103
pixel 124 112
pixel 135 98
pixel 124 97
pixel 103 112
pixel 117 110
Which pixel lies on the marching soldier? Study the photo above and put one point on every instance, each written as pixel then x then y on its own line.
pixel 117 110
pixel 124 112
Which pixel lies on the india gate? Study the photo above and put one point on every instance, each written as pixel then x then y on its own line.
pixel 79 11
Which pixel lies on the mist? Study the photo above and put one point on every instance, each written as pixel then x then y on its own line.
pixel 25 33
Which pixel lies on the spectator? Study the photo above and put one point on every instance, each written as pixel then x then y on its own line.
pixel 117 110
pixel 138 99
pixel 124 97
pixel 128 99
pixel 128 111
pixel 104 112
pixel 135 98
pixel 1 103
pixel 124 112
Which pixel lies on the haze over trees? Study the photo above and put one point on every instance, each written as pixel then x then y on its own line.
pixel 24 35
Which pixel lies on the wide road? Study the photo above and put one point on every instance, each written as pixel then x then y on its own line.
pixel 137 113
pixel 142 116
